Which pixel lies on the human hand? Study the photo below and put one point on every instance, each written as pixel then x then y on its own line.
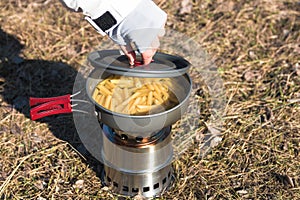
pixel 140 32
pixel 135 25
pixel 146 55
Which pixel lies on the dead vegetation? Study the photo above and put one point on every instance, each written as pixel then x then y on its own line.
pixel 256 48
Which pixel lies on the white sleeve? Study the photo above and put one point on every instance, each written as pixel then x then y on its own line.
pixel 95 8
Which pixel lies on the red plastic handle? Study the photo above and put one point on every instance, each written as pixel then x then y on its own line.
pixel 33 101
pixel 49 106
pixel 139 63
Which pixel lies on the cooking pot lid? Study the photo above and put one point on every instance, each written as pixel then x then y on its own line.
pixel 162 66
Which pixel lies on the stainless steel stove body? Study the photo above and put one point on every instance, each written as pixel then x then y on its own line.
pixel 135 165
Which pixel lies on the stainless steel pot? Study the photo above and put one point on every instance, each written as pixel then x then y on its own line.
pixel 165 66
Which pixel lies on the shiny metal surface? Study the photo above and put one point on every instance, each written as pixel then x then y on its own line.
pixel 163 65
pixel 149 158
pixel 146 184
pixel 141 125
pixel 132 170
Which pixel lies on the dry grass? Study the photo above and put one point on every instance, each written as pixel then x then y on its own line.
pixel 254 44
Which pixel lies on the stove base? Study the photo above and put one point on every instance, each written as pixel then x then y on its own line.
pixel 132 184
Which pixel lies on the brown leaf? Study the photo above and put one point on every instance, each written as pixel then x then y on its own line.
pixel 252 75
pixel 186 7
pixel 78 184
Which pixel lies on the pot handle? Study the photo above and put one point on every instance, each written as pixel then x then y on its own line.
pixel 42 107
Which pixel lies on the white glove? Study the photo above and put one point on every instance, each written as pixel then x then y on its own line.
pixel 126 22
pixel 142 27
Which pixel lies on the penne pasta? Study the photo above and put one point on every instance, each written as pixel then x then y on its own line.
pixel 103 90
pixel 143 100
pixel 119 108
pixel 150 98
pixel 143 92
pixel 158 96
pixel 157 102
pixel 117 95
pixel 165 96
pixel 95 93
pixel 150 86
pixel 98 97
pixel 156 88
pixel 163 87
pixel 124 82
pixel 101 99
pixel 143 108
pixel 136 96
pixel 107 101
pixel 125 93
pixel 110 85
pixel 137 82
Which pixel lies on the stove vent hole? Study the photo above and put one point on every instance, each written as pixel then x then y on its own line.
pixel 139 138
pixel 135 190
pixel 108 179
pixel 146 189
pixel 164 180
pixel 115 184
pixel 124 137
pixel 125 188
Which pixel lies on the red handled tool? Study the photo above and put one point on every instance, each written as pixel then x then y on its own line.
pixel 43 107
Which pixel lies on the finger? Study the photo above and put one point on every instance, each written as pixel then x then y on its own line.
pixel 131 57
pixel 147 55
pixel 129 52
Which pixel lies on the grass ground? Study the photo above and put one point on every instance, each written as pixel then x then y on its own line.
pixel 256 48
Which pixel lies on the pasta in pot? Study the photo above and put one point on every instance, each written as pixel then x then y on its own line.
pixel 136 96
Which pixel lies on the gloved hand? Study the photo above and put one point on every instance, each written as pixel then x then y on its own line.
pixel 133 24
pixel 140 31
